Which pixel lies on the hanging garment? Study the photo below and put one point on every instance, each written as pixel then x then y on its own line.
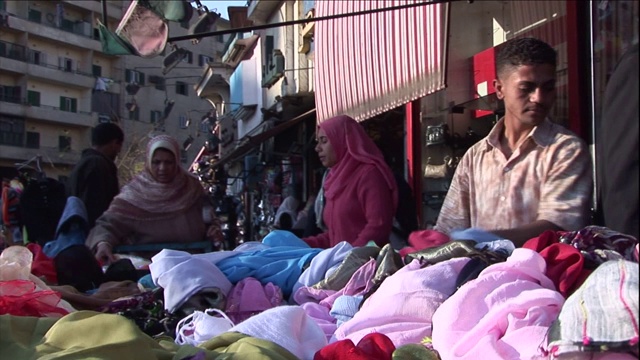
pixel 42 203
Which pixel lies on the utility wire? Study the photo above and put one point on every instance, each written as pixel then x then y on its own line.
pixel 304 21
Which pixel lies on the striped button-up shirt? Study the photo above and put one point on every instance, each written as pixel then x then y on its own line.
pixel 548 177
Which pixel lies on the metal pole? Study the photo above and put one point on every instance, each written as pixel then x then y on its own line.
pixel 104 13
pixel 302 21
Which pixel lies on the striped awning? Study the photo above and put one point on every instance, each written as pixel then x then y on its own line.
pixel 369 64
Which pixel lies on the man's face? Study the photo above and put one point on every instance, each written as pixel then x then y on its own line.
pixel 528 91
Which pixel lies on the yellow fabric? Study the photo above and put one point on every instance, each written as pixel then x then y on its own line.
pixel 89 335
pixel 233 345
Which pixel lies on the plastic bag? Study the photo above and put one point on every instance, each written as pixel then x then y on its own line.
pixel 21 298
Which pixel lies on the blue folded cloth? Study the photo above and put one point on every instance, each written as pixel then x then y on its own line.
pixel 475 234
pixel 72 228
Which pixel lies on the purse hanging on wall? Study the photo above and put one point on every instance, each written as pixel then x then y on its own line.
pixel 437 171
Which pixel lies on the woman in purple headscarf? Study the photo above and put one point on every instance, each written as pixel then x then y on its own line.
pixel 360 190
pixel 163 203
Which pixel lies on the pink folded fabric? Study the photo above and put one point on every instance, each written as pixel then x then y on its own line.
pixel 508 310
pixel 360 282
pixel 403 306
pixel 249 297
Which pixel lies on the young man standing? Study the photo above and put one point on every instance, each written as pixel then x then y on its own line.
pixel 529 174
pixel 95 178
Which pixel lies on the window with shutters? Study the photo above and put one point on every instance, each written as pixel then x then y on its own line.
pixel 268 54
pixel 35 15
pixel 183 121
pixel 68 104
pixel 188 58
pixel 33 98
pixel 12 94
pixel 37 57
pixel 33 140
pixel 155 116
pixel 65 64
pixel 11 130
pixel 134 76
pixel 135 114
pixel 157 81
pixel 96 70
pixel 204 60
pixel 181 88
pixel 64 143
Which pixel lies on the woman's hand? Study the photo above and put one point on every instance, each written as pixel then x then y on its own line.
pixel 104 253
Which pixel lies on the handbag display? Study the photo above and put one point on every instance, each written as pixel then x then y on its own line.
pixel 435 134
pixel 437 171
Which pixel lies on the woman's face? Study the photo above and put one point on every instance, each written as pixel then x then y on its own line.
pixel 324 149
pixel 163 166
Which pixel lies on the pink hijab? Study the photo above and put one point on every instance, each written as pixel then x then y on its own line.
pixel 145 193
pixel 353 147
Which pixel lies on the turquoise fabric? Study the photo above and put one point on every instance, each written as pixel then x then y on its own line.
pixel 280 265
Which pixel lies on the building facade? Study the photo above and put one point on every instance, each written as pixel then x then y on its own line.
pixel 56 83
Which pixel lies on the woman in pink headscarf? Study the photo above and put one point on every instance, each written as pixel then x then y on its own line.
pixel 164 203
pixel 360 190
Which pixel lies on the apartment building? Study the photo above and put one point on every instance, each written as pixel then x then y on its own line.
pixel 56 83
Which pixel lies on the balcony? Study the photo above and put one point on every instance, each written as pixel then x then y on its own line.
pixel 213 83
pixel 113 11
pixel 78 34
pixel 239 49
pixel 49 154
pixel 22 60
pixel 259 11
pixel 47 113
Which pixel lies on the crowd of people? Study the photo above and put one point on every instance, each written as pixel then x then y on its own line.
pixel 526 185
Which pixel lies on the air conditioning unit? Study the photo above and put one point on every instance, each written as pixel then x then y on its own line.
pixel 274 70
pixel 83 27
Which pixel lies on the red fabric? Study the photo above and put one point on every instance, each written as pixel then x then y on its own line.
pixel 374 346
pixel 20 298
pixel 565 264
pixel 42 265
pixel 360 189
pixel 424 239
pixel 545 239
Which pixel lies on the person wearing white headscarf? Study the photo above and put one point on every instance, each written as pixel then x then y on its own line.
pixel 289 207
pixel 163 203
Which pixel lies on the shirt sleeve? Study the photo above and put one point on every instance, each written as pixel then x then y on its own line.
pixel 319 241
pixel 565 195
pixel 455 213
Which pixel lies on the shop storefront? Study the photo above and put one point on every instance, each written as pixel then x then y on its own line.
pixel 463 108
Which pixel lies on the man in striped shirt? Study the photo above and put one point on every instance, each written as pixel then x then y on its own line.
pixel 529 174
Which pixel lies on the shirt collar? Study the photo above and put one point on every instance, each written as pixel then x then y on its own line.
pixel 542 134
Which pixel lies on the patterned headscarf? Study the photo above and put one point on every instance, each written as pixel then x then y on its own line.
pixel 146 193
pixel 353 147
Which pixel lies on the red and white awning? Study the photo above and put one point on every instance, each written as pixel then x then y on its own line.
pixel 369 64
